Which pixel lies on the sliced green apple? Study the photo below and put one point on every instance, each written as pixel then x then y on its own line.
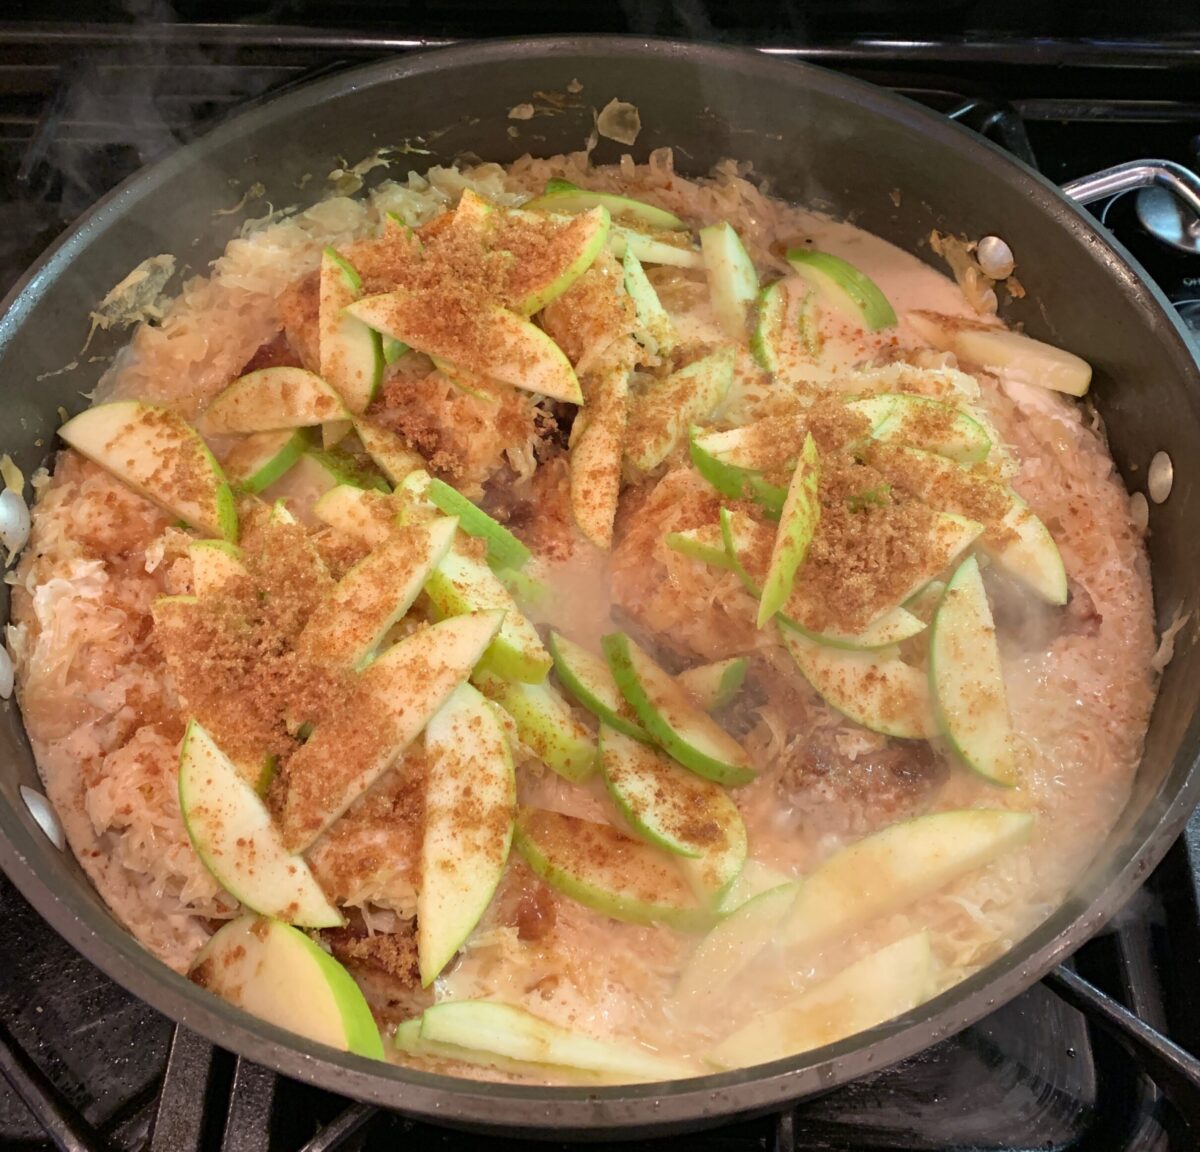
pixel 275 972
pixel 504 549
pixel 160 456
pixel 214 563
pixel 966 678
pixel 397 695
pixel 525 589
pixel 262 458
pixel 873 688
pixel 501 345
pixel 597 446
pixel 745 538
pixel 462 583
pixel 839 282
pixel 770 316
pixel 545 724
pixel 563 196
pixel 351 353
pixel 607 871
pixel 732 280
pixel 663 803
pixel 1014 538
pixel 713 686
pixel 349 624
pixel 391 455
pixel 798 522
pixel 237 841
pixel 588 679
pixel 925 423
pixel 733 462
pixel 366 515
pixel 754 879
pixel 733 944
pixel 575 249
pixel 511 1032
pixel 470 803
pixel 660 415
pixel 880 987
pixel 658 332
pixel 1012 355
pixel 705 544
pixel 272 399
pixel 671 248
pixel 668 715
pixel 892 869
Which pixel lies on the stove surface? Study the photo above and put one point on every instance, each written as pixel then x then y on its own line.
pixel 85 101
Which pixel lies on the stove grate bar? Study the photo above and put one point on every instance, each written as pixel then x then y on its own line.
pixel 337 1132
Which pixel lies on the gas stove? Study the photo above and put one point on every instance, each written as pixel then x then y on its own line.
pixel 84 102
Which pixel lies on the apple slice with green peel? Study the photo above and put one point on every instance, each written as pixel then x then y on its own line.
pixel 508 1031
pixel 607 871
pixel 967 681
pixel 667 805
pixel 797 525
pixel 396 695
pixel 504 549
pixel 770 316
pixel 653 319
pixel 545 724
pixel 349 624
pixel 463 583
pixel 575 249
pixel 668 715
pixel 839 283
pixel 589 680
pixel 875 688
pixel 597 447
pixel 351 353
pixel 272 399
pixel 745 537
pixel 704 544
pixel 502 345
pixel 262 458
pixel 325 470
pixel 563 196
pixel 733 944
pixel 275 972
pixel 470 803
pixel 366 515
pixel 214 563
pixel 880 987
pixel 733 461
pixel 896 867
pixel 391 455
pixel 660 415
pixel 713 686
pixel 921 422
pixel 160 456
pixel 732 280
pixel 1012 355
pixel 754 879
pixel 233 834
pixel 525 589
pixel 1014 538
pixel 392 348
pixel 674 249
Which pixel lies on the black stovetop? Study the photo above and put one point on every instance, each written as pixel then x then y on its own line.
pixel 85 100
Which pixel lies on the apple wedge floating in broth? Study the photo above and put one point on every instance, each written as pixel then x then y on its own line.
pixel 588 679
pixel 395 698
pixel 798 522
pixel 159 456
pixel 563 196
pixel 233 834
pixel 713 686
pixel 839 282
pixel 470 802
pixel 277 973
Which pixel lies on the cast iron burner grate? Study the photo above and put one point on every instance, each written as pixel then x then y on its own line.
pixel 91 1067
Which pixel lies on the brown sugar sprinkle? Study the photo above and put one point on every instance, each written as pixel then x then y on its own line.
pixel 299 310
pixel 536 912
pixel 684 804
pixel 185 475
pixel 392 953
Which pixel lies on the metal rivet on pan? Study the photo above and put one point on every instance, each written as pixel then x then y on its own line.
pixel 1159 477
pixel 1139 511
pixel 995 258
pixel 44 816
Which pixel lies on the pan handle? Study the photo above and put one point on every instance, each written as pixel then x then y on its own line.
pixel 1182 182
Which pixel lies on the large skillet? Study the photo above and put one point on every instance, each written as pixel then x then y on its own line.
pixel 818 138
